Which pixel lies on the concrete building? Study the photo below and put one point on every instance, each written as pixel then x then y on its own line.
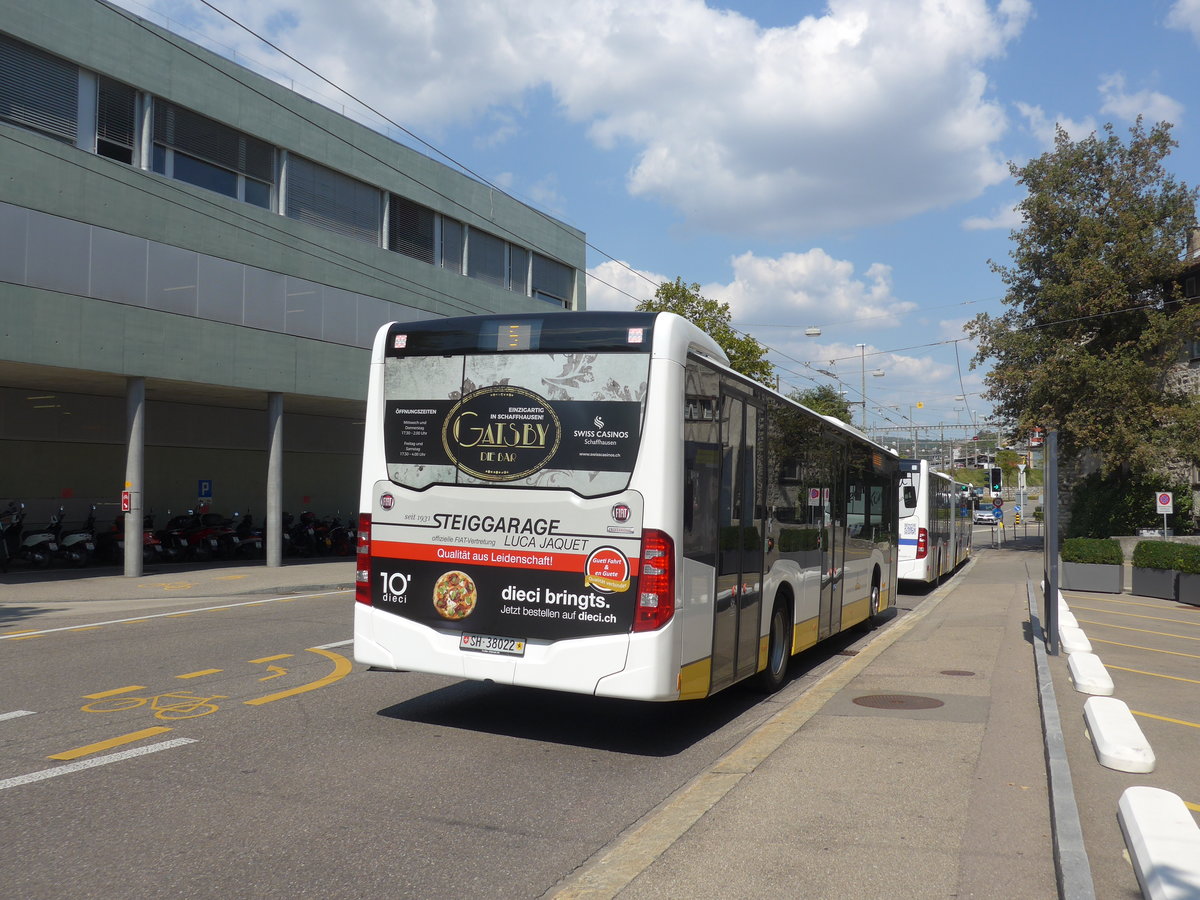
pixel 194 260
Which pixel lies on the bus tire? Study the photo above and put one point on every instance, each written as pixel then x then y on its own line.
pixel 873 603
pixel 771 679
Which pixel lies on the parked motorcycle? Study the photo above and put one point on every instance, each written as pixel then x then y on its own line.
pixel 76 546
pixel 110 545
pixel 39 545
pixel 10 532
pixel 251 541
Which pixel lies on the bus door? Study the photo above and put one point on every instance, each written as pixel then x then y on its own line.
pixel 740 558
pixel 833 537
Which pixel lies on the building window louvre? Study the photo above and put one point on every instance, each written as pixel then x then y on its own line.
pixel 485 259
pixel 115 117
pixel 552 281
pixel 38 91
pixel 452 245
pixel 411 230
pixel 199 136
pixel 518 269
pixel 331 200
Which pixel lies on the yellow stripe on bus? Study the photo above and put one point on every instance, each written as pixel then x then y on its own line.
pixel 695 679
pixel 804 635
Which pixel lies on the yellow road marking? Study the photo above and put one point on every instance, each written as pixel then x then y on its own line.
pixel 170 585
pixel 341 668
pixel 1194 807
pixel 1151 649
pixel 1153 674
pixel 86 628
pixel 1166 719
pixel 267 659
pixel 25 631
pixel 114 692
pixel 1109 612
pixel 134 621
pixel 110 743
pixel 229 577
pixel 1181 637
pixel 277 672
pixel 201 672
pixel 178 615
pixel 25 637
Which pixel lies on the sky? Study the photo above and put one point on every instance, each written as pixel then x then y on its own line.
pixel 839 165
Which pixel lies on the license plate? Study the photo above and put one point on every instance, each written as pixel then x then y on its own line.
pixel 486 643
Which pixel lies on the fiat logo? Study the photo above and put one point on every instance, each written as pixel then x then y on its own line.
pixel 387 501
pixel 620 513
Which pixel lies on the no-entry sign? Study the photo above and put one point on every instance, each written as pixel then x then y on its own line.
pixel 1166 503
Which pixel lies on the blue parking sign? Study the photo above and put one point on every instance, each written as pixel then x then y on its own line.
pixel 204 488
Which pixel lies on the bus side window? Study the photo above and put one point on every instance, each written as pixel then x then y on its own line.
pixel 910 497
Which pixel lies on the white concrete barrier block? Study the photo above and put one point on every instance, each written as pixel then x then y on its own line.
pixel 1118 740
pixel 1163 841
pixel 1066 617
pixel 1073 639
pixel 1088 674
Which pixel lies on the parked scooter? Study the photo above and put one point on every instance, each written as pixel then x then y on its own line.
pixel 39 545
pixel 10 532
pixel 251 542
pixel 110 545
pixel 77 546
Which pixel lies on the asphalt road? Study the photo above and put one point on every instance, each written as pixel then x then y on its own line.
pixel 231 748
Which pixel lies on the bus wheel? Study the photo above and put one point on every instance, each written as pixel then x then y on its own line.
pixel 772 677
pixel 873 606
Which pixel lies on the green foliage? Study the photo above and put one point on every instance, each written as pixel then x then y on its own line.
pixel 1156 555
pixel 1092 551
pixel 1095 317
pixel 1188 559
pixel 746 355
pixel 825 400
pixel 1107 505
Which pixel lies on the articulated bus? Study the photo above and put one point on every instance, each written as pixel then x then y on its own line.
pixel 935 522
pixel 596 502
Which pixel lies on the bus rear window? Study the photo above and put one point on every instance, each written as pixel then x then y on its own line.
pixel 546 420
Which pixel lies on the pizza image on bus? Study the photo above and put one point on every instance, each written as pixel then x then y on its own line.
pixel 454 595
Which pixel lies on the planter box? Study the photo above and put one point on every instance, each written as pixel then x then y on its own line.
pixel 1091 577
pixel 1189 588
pixel 1155 583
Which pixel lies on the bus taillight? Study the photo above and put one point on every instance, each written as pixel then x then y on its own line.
pixel 656 582
pixel 362 573
pixel 922 543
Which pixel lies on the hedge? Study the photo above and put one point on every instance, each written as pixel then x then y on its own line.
pixel 1156 555
pixel 1092 551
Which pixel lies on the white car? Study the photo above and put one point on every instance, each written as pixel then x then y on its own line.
pixel 983 516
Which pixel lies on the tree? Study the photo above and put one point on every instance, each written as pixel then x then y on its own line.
pixel 746 355
pixel 1096 316
pixel 825 400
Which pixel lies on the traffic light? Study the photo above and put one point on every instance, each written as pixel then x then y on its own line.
pixel 997 479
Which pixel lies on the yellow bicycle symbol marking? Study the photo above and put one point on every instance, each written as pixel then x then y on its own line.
pixel 171 705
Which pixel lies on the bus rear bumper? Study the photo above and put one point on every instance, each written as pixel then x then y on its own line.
pixel 388 641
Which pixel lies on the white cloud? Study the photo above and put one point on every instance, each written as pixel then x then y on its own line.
pixel 617 285
pixel 1118 101
pixel 867 113
pixel 1007 218
pixel 1185 16
pixel 1042 126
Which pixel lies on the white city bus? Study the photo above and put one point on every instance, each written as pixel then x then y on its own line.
pixel 935 522
pixel 595 502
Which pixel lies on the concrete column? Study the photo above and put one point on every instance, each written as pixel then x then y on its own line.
pixel 274 528
pixel 135 465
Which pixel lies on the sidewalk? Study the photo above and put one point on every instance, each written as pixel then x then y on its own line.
pixel 916 770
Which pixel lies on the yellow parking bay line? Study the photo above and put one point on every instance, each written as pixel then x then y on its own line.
pixel 1151 649
pixel 1153 674
pixel 201 672
pixel 1112 612
pixel 1178 637
pixel 1166 719
pixel 110 743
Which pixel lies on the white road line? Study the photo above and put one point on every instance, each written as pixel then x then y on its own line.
pixel 177 612
pixel 16 714
pixel 33 777
pixel 334 644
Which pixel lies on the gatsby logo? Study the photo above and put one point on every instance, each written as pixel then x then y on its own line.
pixel 501 433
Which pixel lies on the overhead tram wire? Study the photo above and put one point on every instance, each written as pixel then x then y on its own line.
pixel 135 20
pixel 424 143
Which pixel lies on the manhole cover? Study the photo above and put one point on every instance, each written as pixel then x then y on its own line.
pixel 956 672
pixel 898 701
